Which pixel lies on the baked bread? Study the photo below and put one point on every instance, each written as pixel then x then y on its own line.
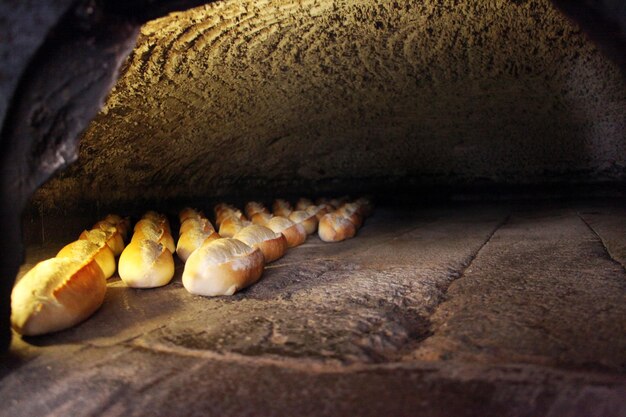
pixel 309 221
pixel 261 218
pixel 196 223
pixel 192 240
pixel 281 208
pixel 122 224
pixel 56 294
pixel 111 229
pixel 189 213
pixel 112 239
pixel 320 210
pixel 273 245
pixel 224 211
pixel 294 233
pixel 146 264
pixel 158 218
pixel 147 229
pixel 221 267
pixel 351 212
pixel 254 207
pixel 232 225
pixel 303 204
pixel 85 250
pixel 335 228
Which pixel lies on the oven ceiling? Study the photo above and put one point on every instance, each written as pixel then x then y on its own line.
pixel 288 95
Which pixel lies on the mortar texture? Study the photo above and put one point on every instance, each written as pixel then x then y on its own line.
pixel 284 95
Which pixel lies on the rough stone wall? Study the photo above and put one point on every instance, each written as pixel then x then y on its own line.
pixel 268 95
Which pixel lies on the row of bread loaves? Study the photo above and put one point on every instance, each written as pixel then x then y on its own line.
pixel 224 264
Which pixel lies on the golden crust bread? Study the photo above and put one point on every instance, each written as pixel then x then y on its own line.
pixel 273 245
pixel 335 228
pixel 146 264
pixel 201 224
pixel 281 208
pixel 113 240
pixel 309 221
pixel 294 233
pixel 253 207
pixel 84 250
pixel 56 294
pixel 192 240
pixel 231 225
pixel 221 267
pixel 261 218
pixel 303 204
pixel 189 213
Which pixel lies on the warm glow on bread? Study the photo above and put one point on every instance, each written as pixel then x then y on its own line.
pixel 351 212
pixel 122 224
pixel 111 231
pixel 294 233
pixel 56 294
pixel 281 208
pixel 303 204
pixel 146 264
pixel 321 210
pixel 273 245
pixel 254 207
pixel 192 240
pixel 231 225
pixel 224 211
pixel 335 228
pixel 197 224
pixel 189 213
pixel 84 250
pixel 309 221
pixel 158 218
pixel 113 240
pixel 147 229
pixel 221 267
pixel 261 218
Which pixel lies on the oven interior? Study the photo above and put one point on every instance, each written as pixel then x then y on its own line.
pixel 491 136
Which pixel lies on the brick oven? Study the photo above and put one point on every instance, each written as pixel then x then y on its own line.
pixel 490 135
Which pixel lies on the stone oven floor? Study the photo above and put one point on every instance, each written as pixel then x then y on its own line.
pixel 475 310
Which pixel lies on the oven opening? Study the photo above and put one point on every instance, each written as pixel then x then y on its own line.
pixel 313 208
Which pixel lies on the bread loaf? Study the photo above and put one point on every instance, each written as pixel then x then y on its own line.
pixel 281 208
pixel 85 250
pixel 146 264
pixel 189 213
pixel 196 223
pixel 307 220
pixel 303 204
pixel 335 228
pixel 351 212
pixel 254 207
pixel 56 294
pixel 224 211
pixel 112 239
pixel 148 229
pixel 231 225
pixel 261 218
pixel 294 233
pixel 273 245
pixel 221 267
pixel 122 224
pixel 192 240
